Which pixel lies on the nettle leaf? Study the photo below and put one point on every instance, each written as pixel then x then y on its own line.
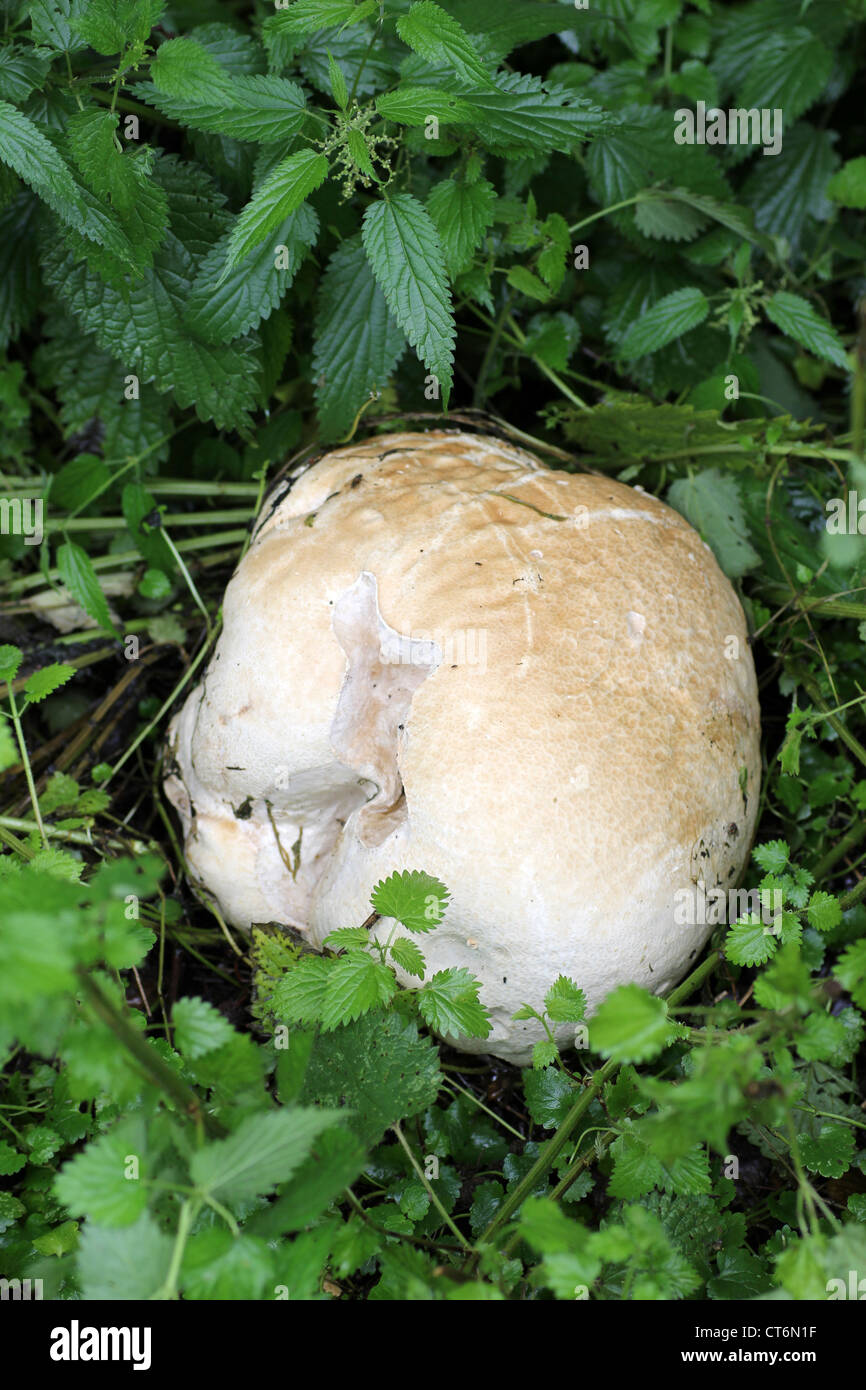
pixel 199 1027
pixel 259 108
pixel 550 1095
pixel 405 953
pixel 262 1152
pixel 356 984
pixel 789 189
pixel 92 139
pixel 306 16
pixel 184 68
pixel 378 1068
pixel 127 1264
pixel 10 660
pixel 110 26
pixel 405 254
pixel 417 900
pixel 525 113
pixel 45 682
pixel 824 911
pixel 564 1002
pixel 79 577
pixel 51 23
pixel 414 106
pixel 285 188
pixel 357 345
pixel 850 970
pixel 225 306
pixel 789 71
pixel 672 316
pixel 506 26
pixel 631 1025
pixel 750 942
pixel 772 856
pixel 848 186
pixel 22 69
pixel 19 265
pixel 449 1003
pixel 711 501
pixel 35 160
pixel 798 320
pixel 347 936
pixel 96 1183
pixel 438 38
pixel 461 212
pixel 145 329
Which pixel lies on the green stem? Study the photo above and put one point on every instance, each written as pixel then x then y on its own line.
pixel 422 1177
pixel 25 758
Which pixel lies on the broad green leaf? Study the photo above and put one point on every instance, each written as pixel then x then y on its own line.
pixel 848 186
pixel 356 984
pixel 45 682
pixel 260 108
pixel 550 1094
pixel 672 316
pixel 415 106
pixel 222 307
pixel 10 660
pixel 219 1265
pixel 564 1002
pixel 824 911
pixel 831 1152
pixel 378 1068
pixel 131 1264
pixel 185 69
pixel 449 1003
pixel 522 111
pixel 198 1027
pixel 405 953
pixel 106 1181
pixel 51 23
pixel 290 183
pixel 306 16
pixel 405 254
pixel 357 344
pixel 78 481
pixel 750 942
pixel 798 320
pixel 788 72
pixel 262 1152
pixel 110 26
pixel 711 501
pixel 631 1025
pixel 414 898
pixel 79 577
pixel 461 212
pixel 431 32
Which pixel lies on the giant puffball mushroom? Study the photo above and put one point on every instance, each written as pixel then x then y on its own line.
pixel 537 686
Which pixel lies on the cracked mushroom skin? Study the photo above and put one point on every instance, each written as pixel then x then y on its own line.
pixel 440 654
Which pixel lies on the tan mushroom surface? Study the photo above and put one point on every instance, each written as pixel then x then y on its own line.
pixel 537 686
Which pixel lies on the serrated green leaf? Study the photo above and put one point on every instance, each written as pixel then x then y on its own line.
pixel 225 306
pixel 260 108
pixel 749 942
pixel 850 970
pixel 798 320
pixel 524 112
pixel 415 106
pixel 356 984
pixel 263 1151
pixel 198 1027
pixel 405 953
pixel 105 1182
pixel 550 1094
pixel 79 577
pixel 405 254
pixel 788 72
pixel 379 1068
pixel 290 183
pixel 631 1025
pixel 672 316
pixel 848 186
pixel 358 344
pixel 830 1152
pixel 772 856
pixel 347 936
pixel 110 26
pixel 824 911
pixel 564 1002
pixel 130 1264
pixel 431 32
pixel 413 898
pixel 711 501
pixel 46 681
pixel 51 23
pixel 10 660
pixel 449 1003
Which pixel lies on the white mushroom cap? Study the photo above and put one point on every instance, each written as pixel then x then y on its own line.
pixel 537 686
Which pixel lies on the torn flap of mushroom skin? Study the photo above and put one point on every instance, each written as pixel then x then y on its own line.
pixel 558 787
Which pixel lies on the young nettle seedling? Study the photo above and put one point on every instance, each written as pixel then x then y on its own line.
pixel 563 1003
pixel 37 687
pixel 358 973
